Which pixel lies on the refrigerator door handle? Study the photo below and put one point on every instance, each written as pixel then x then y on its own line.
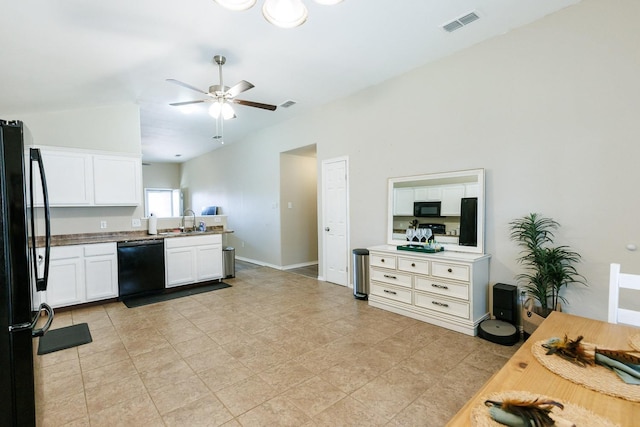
pixel 41 331
pixel 31 325
pixel 41 283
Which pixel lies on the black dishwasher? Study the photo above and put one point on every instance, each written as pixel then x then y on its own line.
pixel 140 267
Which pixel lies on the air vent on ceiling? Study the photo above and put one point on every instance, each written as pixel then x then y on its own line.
pixel 287 104
pixel 460 22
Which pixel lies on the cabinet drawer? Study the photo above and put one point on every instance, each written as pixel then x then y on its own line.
pixel 391 277
pixel 385 261
pixel 396 294
pixel 411 265
pixel 450 271
pixel 100 249
pixel 453 290
pixel 65 252
pixel 442 305
pixel 189 241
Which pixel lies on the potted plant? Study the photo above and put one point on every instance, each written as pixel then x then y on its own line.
pixel 549 268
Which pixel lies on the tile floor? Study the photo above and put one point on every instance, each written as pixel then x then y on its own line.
pixel 277 349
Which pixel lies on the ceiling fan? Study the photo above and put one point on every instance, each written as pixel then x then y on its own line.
pixel 222 96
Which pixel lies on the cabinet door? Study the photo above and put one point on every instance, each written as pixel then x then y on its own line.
pixel 117 180
pixel 101 271
pixel 471 190
pixel 403 204
pixel 451 197
pixel 209 262
pixel 427 194
pixel 180 265
pixel 68 179
pixel 66 284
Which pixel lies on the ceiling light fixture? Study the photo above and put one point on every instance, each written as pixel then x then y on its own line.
pixel 281 13
pixel 221 108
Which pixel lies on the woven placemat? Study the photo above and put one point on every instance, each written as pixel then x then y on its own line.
pixel 634 341
pixel 595 377
pixel 576 414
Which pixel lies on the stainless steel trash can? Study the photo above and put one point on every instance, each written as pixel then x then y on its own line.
pixel 228 262
pixel 360 273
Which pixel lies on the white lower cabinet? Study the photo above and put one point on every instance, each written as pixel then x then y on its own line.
pixel 193 259
pixel 447 289
pixel 100 271
pixel 81 273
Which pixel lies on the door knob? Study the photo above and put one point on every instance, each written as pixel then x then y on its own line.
pixel 327 229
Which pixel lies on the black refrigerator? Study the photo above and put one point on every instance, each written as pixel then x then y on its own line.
pixel 468 221
pixel 21 273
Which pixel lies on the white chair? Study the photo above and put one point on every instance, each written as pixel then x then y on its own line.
pixel 619 281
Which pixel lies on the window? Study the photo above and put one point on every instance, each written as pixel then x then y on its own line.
pixel 162 202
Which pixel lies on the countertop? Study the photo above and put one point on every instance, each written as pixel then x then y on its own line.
pixel 123 236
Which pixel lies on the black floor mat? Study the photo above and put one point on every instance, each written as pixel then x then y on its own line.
pixel 133 302
pixel 59 339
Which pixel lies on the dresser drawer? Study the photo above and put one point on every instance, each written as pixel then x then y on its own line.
pixel 391 277
pixel 384 261
pixel 442 305
pixel 389 292
pixel 411 265
pixel 453 290
pixel 450 271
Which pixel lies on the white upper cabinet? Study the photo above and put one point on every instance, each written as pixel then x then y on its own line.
pixel 69 179
pixel 77 178
pixel 451 197
pixel 116 180
pixel 403 201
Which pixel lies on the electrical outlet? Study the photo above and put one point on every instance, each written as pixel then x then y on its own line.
pixel 217 219
pixel 242 244
pixel 135 222
pixel 103 224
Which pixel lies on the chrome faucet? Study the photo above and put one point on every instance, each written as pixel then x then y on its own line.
pixel 193 214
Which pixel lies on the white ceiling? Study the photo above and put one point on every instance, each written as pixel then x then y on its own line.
pixel 68 54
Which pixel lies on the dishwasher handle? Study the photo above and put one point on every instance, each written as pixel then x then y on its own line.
pixel 132 243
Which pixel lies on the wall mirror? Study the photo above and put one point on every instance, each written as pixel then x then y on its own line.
pixel 451 204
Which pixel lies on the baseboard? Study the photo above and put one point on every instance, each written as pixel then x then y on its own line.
pixel 300 265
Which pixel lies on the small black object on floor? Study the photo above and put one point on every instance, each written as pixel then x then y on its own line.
pixel 499 332
pixel 60 339
pixel 139 301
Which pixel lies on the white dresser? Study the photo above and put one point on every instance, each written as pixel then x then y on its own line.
pixel 448 289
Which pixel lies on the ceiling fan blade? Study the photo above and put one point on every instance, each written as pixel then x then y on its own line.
pixel 238 88
pixel 254 104
pixel 188 86
pixel 177 104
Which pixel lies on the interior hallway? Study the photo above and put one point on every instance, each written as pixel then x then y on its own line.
pixel 277 348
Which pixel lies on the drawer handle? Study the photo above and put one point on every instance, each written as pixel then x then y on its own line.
pixel 439 286
pixel 441 304
pixel 413 264
pixel 388 276
pixel 449 270
pixel 390 292
pixel 381 259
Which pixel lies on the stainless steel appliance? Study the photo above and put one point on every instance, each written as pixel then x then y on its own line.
pixel 426 209
pixel 19 275
pixel 140 267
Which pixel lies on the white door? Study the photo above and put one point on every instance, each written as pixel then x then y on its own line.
pixel 335 220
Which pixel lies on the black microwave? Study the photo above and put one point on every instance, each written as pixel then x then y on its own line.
pixel 426 209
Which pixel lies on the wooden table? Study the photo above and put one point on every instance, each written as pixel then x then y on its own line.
pixel 524 372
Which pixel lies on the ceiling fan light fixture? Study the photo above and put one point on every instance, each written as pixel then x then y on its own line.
pixel 227 111
pixel 215 110
pixel 285 13
pixel 236 4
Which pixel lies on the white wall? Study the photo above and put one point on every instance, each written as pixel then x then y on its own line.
pixel 549 110
pixel 161 175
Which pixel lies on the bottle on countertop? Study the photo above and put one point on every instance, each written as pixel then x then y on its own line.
pixel 153 224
